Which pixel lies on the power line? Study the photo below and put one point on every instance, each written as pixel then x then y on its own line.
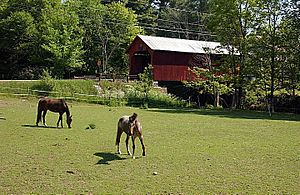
pixel 182 31
pixel 184 10
pixel 159 28
pixel 169 7
pixel 177 22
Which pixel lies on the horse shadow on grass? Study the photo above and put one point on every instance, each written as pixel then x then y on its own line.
pixel 107 157
pixel 46 127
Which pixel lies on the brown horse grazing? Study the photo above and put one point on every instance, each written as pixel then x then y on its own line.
pixel 54 105
pixel 132 127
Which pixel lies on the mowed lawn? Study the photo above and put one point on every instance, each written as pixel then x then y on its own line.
pixel 192 151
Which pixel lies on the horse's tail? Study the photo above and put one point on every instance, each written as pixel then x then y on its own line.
pixel 39 112
pixel 118 138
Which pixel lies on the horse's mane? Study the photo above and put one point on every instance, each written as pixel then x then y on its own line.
pixel 67 108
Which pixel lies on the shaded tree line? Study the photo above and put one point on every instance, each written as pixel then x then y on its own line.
pixel 64 38
pixel 266 34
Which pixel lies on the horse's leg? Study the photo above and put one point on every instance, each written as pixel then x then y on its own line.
pixel 133 146
pixel 127 145
pixel 44 115
pixel 59 119
pixel 143 145
pixel 39 113
pixel 119 133
pixel 38 118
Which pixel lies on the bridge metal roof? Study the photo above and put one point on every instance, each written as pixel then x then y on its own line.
pixel 183 45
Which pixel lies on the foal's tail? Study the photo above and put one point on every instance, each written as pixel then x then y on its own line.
pixel 119 131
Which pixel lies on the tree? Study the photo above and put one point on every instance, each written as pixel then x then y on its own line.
pixel 267 35
pixel 232 22
pixel 146 14
pixel 35 36
pixel 144 9
pixel 290 33
pixel 119 29
pixel 183 19
pixel 211 79
pixel 91 16
pixel 62 39
pixel 108 30
pixel 17 32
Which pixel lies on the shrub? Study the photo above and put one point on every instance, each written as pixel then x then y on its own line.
pixel 44 86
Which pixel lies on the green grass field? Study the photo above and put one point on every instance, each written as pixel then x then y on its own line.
pixel 192 151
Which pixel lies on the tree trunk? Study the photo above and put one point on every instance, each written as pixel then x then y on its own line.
pixel 217 99
pixel 234 98
pixel 272 67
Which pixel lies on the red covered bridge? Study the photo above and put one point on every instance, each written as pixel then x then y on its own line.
pixel 171 57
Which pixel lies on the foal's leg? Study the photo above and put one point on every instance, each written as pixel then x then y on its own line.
pixel 127 146
pixel 44 115
pixel 133 146
pixel 143 145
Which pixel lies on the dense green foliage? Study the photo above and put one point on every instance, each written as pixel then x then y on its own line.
pixel 64 37
pixel 258 29
pixel 61 39
pixel 192 152
pixel 184 19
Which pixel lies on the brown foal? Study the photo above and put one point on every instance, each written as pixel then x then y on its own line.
pixel 132 127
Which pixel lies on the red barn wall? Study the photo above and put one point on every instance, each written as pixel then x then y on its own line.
pixel 171 66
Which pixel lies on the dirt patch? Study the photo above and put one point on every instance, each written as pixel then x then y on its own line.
pixel 5 103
